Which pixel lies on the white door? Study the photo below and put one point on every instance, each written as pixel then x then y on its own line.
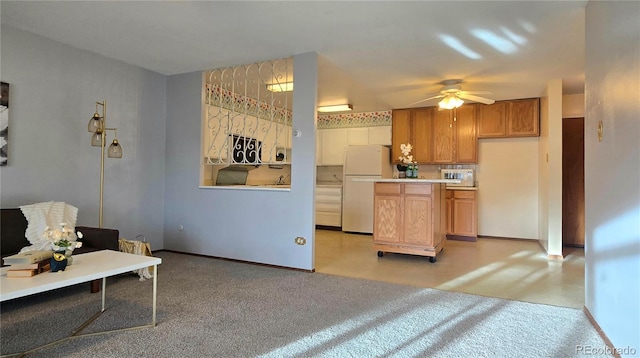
pixel 357 204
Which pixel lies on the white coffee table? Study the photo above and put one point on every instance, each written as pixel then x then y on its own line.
pixel 86 267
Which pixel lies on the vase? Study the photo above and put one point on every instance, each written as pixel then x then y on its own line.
pixel 67 253
pixel 58 261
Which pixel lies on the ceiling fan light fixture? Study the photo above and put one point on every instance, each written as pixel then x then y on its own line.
pixel 450 102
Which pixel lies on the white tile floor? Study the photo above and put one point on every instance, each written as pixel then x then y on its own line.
pixel 512 269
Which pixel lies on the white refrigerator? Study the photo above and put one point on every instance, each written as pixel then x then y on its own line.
pixel 360 162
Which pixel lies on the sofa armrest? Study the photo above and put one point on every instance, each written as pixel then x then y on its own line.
pixel 13 225
pixel 99 239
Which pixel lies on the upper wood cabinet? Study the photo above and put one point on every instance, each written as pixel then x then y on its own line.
pixel 443 137
pixel 437 136
pixel 413 126
pixel 466 136
pixel 455 138
pixel 514 118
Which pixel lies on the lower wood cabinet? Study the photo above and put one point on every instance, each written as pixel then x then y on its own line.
pixel 409 218
pixel 462 214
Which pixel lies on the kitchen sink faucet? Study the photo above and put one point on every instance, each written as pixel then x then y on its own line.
pixel 282 180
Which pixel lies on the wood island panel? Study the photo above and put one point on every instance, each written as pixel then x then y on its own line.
pixel 409 218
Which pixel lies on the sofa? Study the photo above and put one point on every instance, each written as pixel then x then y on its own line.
pixel 13 225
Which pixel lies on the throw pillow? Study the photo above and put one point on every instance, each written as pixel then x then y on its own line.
pixel 41 215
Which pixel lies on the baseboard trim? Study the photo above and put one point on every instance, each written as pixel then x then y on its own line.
pixel 236 260
pixel 604 337
pixel 504 238
pixel 331 228
pixel 461 238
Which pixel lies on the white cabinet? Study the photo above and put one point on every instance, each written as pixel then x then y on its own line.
pixel 357 136
pixel 332 146
pixel 329 205
pixel 319 147
pixel 332 143
pixel 273 136
pixel 215 144
pixel 284 137
pixel 380 135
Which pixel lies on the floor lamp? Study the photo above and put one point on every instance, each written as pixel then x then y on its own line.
pixel 98 126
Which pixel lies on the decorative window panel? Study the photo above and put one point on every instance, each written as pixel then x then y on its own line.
pixel 244 122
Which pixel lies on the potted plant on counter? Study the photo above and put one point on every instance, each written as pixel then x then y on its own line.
pixel 406 160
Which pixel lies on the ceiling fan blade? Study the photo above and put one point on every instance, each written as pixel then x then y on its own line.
pixel 475 92
pixel 424 100
pixel 475 98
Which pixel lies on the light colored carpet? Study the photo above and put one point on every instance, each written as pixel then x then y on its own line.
pixel 217 308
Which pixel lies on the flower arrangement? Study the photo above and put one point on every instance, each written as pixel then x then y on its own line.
pixel 63 238
pixel 406 158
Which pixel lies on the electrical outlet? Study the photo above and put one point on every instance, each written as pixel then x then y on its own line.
pixel 300 240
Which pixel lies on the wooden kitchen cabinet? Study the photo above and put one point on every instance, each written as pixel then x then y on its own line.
pixel 443 137
pixel 523 118
pixel 409 218
pixel 466 137
pixel 413 126
pixel 454 136
pixel 462 214
pixel 514 118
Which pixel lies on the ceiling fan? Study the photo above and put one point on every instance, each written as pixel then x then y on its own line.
pixel 453 96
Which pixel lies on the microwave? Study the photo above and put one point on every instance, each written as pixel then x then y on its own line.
pixel 466 176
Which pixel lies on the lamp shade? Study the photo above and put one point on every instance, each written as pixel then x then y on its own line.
pixel 95 123
pixel 450 102
pixel 115 150
pixel 96 139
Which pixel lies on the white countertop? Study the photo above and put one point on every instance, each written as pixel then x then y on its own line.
pixel 428 181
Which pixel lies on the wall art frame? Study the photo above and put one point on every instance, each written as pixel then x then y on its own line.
pixel 4 123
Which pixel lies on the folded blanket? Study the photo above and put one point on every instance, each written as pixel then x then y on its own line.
pixel 138 248
pixel 41 215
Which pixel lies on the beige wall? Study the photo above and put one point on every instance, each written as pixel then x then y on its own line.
pixel 573 105
pixel 550 169
pixel 508 187
pixel 516 181
pixel 612 170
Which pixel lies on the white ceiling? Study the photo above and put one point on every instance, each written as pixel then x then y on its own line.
pixel 377 55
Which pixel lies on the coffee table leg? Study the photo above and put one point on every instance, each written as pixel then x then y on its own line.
pixel 155 290
pixel 104 293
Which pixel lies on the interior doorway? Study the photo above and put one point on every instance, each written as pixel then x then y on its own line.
pixel 573 182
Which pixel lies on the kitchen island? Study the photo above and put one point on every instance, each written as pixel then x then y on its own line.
pixel 410 216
